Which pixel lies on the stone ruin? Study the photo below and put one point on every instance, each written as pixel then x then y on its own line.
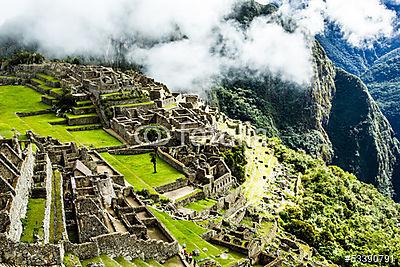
pixel 100 213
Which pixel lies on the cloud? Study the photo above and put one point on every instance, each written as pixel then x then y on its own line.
pixel 362 22
pixel 190 45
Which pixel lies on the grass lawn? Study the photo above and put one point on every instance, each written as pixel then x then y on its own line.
pixel 72 116
pixel 109 262
pixel 124 263
pixel 71 260
pixel 47 77
pixel 188 232
pixel 23 99
pixel 140 263
pixel 84 103
pixel 34 219
pixel 201 205
pixel 88 262
pixel 138 170
pixel 43 85
pixel 56 232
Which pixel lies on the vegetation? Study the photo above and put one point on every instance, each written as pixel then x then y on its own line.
pixel 48 77
pixel 201 205
pixel 71 260
pixel 336 213
pixel 33 223
pixel 188 232
pixel 56 214
pixel 23 99
pixel 138 171
pixel 235 158
pixel 152 133
pixel 22 57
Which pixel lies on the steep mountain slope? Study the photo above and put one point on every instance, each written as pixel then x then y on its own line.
pixel 337 214
pixel 378 66
pixel 359 137
pixel 383 81
pixel 362 138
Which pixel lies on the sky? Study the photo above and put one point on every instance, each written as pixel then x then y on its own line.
pixel 191 45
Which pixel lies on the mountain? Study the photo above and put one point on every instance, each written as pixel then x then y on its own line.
pixel 362 138
pixel 378 66
pixel 335 119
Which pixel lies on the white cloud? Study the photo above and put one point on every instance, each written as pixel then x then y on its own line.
pixel 361 21
pixel 211 44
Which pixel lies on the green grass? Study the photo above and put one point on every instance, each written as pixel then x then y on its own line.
pixel 84 107
pixel 140 263
pixel 71 260
pixel 43 85
pixel 80 126
pixel 111 94
pixel 138 170
pixel 188 232
pixel 47 77
pixel 265 228
pixel 72 116
pixel 195 192
pixel 201 205
pixel 23 99
pixel 84 103
pixel 123 262
pixel 58 91
pixel 56 194
pixel 87 262
pixel 34 219
pixel 135 104
pixel 171 106
pixel 109 262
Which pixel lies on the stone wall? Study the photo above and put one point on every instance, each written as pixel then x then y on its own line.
pixel 127 101
pixel 85 128
pixel 125 245
pixel 48 183
pixel 131 151
pixel 108 148
pixel 225 202
pixel 24 254
pixel 174 163
pixel 36 88
pixel 34 113
pixel 83 120
pixel 197 196
pixel 219 186
pixel 20 202
pixel 84 251
pixel 181 182
pixel 11 81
